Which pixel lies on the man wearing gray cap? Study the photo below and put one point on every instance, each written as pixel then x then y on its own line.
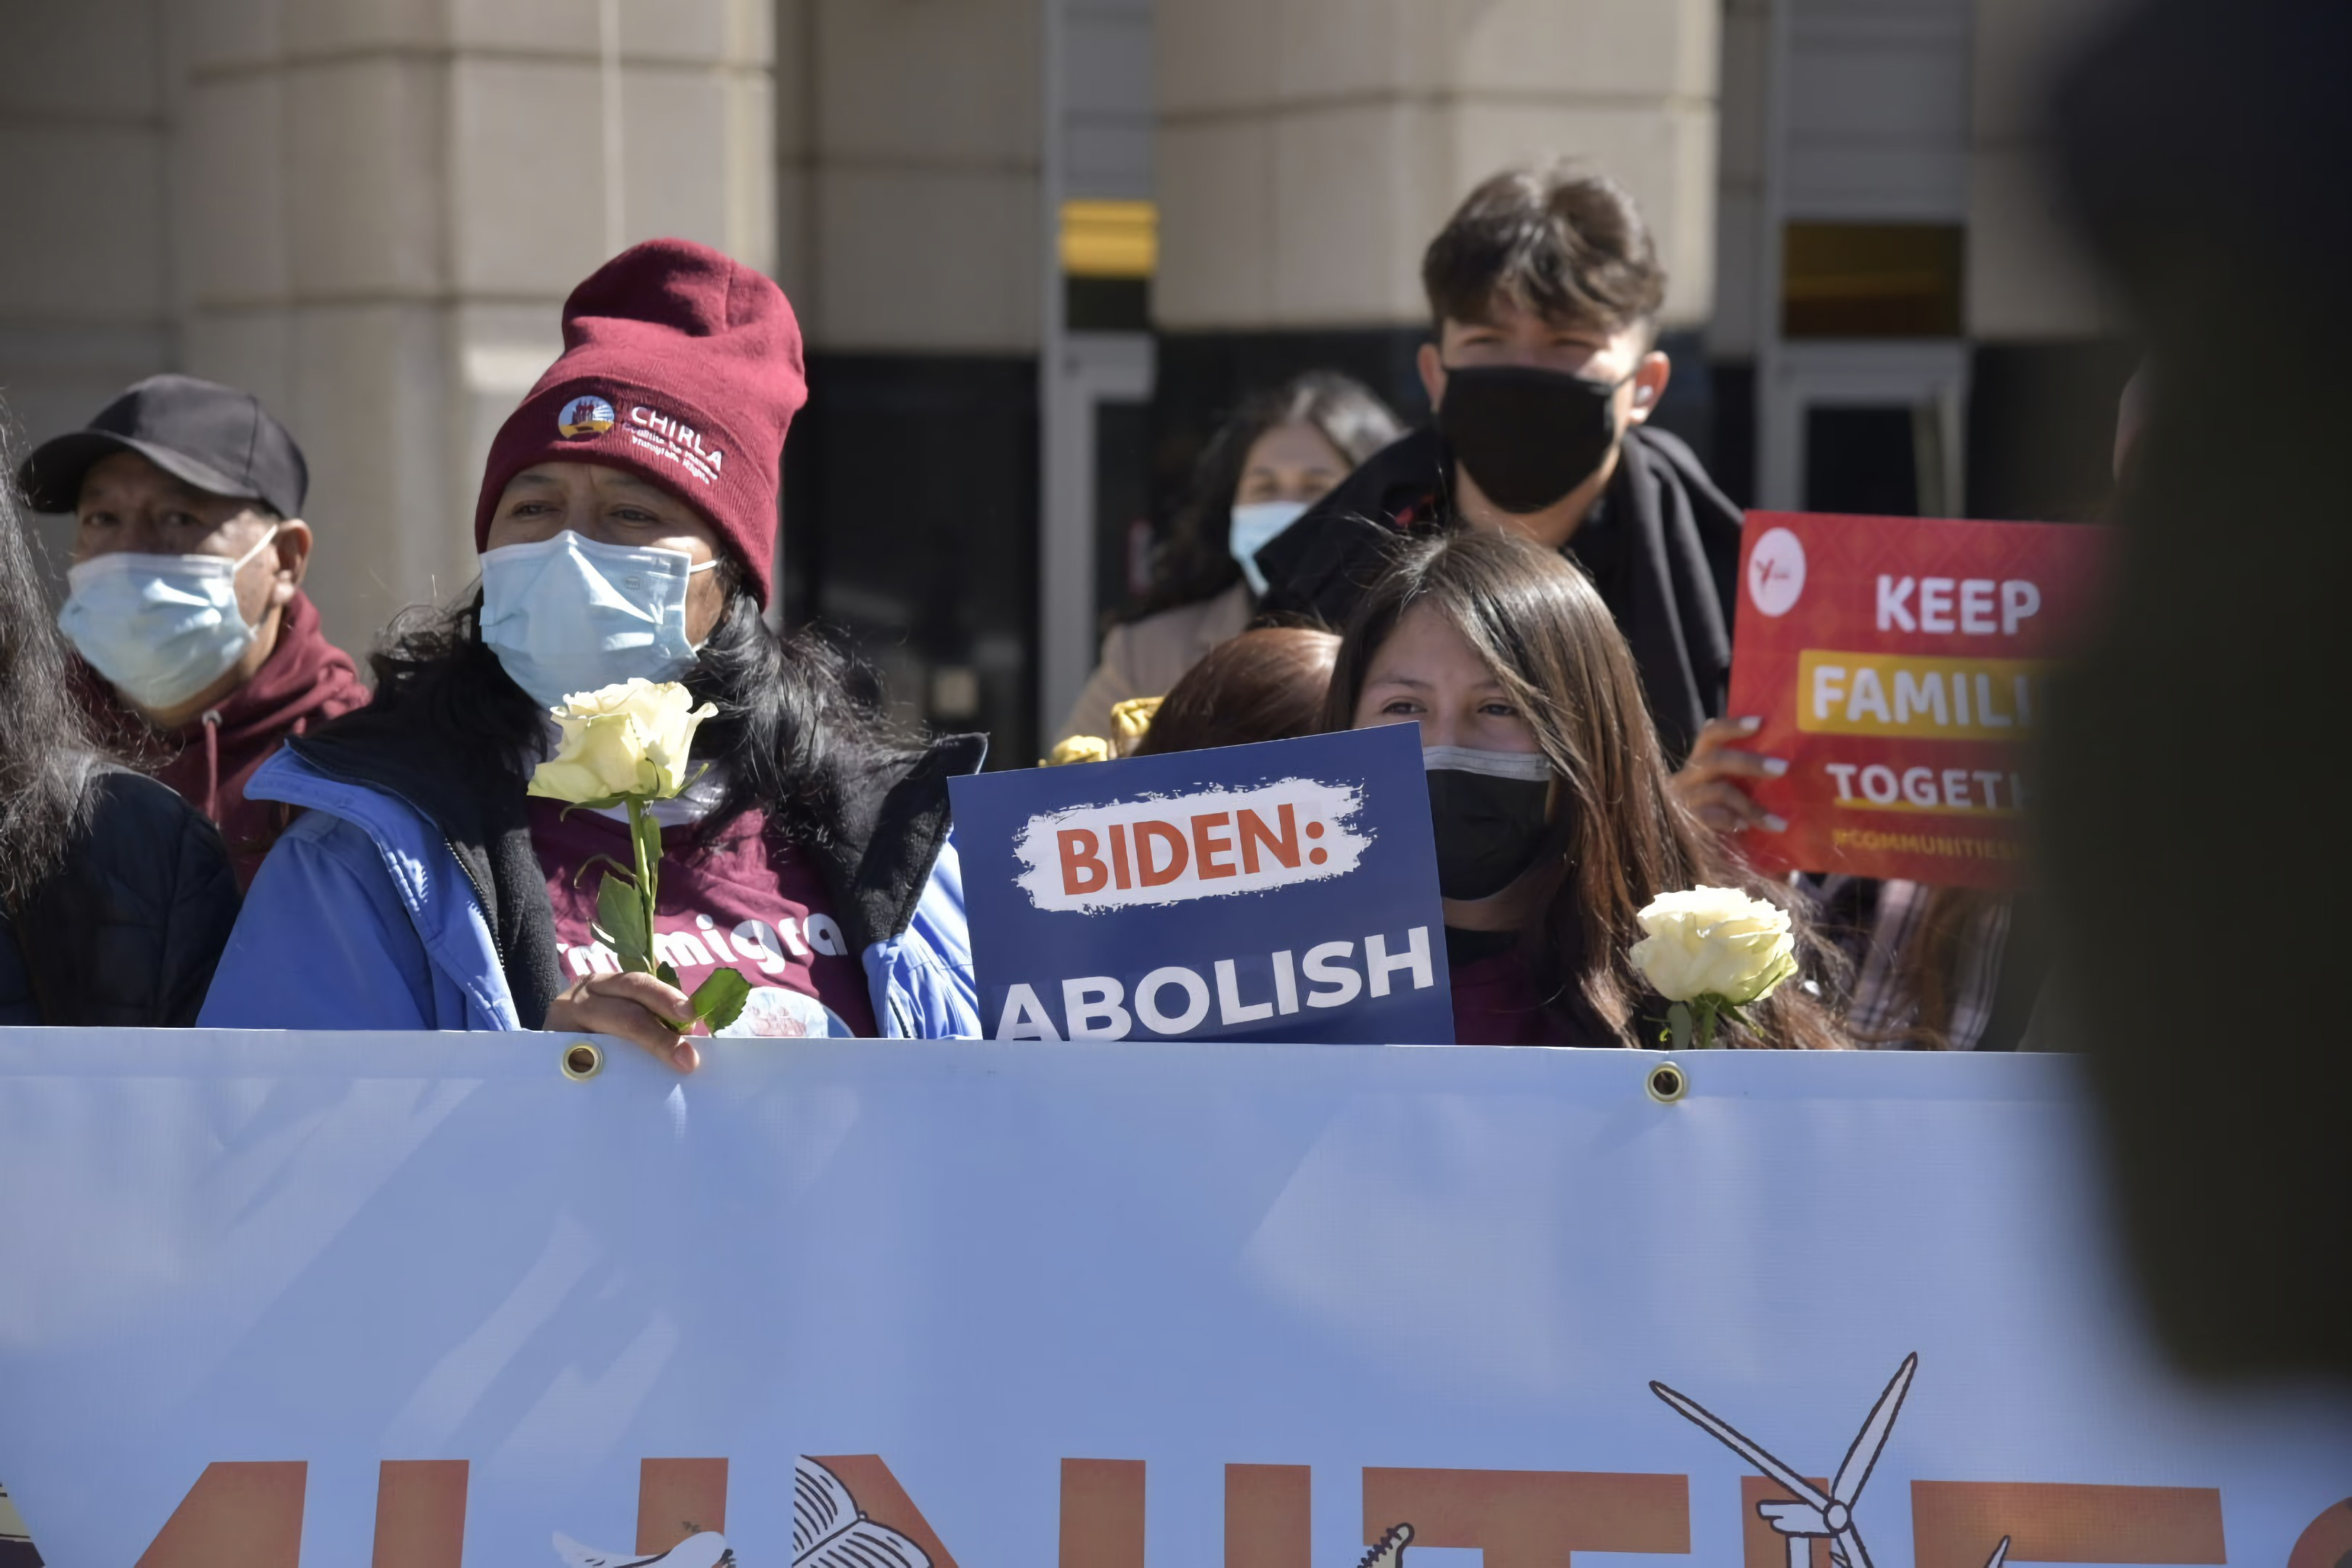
pixel 185 600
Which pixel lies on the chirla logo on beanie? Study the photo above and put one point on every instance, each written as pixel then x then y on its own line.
pixel 585 416
pixel 675 441
pixel 672 352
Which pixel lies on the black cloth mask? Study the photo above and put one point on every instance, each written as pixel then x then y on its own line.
pixel 1528 436
pixel 1492 813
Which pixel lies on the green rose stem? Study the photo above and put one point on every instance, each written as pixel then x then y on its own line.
pixel 627 745
pixel 642 828
pixel 1697 1017
pixel 718 1000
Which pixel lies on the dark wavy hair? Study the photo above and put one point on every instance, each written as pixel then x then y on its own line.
pixel 798 716
pixel 46 745
pixel 1539 626
pixel 1196 563
pixel 1566 243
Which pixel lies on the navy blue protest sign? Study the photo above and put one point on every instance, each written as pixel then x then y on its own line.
pixel 1283 891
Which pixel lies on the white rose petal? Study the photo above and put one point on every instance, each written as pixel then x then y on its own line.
pixel 1713 941
pixel 633 739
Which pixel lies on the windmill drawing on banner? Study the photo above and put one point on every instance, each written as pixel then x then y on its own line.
pixel 1810 1515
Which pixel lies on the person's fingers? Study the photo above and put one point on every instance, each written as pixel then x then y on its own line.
pixel 633 1008
pixel 1727 808
pixel 1717 733
pixel 1729 764
pixel 646 990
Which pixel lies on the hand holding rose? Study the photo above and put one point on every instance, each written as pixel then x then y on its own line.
pixel 627 745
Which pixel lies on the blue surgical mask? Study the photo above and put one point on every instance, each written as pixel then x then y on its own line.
pixel 161 628
pixel 1252 528
pixel 568 614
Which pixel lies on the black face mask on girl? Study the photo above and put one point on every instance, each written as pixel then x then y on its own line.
pixel 1492 813
pixel 1528 436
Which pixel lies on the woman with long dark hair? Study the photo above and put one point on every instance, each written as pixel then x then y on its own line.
pixel 1548 787
pixel 628 524
pixel 115 895
pixel 1278 454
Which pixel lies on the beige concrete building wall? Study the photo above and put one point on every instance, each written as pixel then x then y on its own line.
pixel 381 205
pixel 86 265
pixel 2026 280
pixel 1732 332
pixel 906 173
pixel 367 211
pixel 1309 148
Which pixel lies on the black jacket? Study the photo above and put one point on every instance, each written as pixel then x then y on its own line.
pixel 128 931
pixel 1663 547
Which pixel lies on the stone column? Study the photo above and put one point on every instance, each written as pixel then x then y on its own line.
pixel 907 173
pixel 85 270
pixel 377 209
pixel 907 169
pixel 1310 148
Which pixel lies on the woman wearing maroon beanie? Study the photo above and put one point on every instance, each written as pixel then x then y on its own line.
pixel 626 522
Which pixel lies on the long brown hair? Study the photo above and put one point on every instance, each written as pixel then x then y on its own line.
pixel 1266 685
pixel 1536 622
pixel 46 745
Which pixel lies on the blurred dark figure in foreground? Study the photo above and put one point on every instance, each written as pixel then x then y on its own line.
pixel 2203 918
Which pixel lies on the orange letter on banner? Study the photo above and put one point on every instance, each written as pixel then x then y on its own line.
pixel 235 1516
pixel 1957 1524
pixel 1169 837
pixel 2328 1543
pixel 678 1498
pixel 881 1499
pixel 1102 1513
pixel 1531 1519
pixel 1761 1546
pixel 420 1514
pixel 1082 867
pixel 1268 1516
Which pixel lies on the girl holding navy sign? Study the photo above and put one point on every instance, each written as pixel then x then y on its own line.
pixel 628 525
pixel 1555 824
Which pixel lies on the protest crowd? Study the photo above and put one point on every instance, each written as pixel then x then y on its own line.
pixel 626 778
pixel 198 784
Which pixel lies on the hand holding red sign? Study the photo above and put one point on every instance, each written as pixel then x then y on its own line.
pixel 1897 665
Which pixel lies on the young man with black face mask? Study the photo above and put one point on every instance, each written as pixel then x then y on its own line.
pixel 1544 288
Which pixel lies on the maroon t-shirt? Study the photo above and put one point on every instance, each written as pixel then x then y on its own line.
pixel 736 904
pixel 1495 1003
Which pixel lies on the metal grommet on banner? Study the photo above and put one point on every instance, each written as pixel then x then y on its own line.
pixel 582 1059
pixel 1667 1082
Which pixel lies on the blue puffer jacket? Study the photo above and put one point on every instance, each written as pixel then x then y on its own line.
pixel 365 917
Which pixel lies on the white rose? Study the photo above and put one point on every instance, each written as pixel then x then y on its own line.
pixel 626 739
pixel 1714 941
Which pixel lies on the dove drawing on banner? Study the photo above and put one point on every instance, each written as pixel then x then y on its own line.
pixel 828 1531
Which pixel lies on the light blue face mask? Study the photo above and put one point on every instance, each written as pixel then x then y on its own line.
pixel 568 614
pixel 161 628
pixel 1254 528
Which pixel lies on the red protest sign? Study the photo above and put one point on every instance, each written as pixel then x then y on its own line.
pixel 1897 664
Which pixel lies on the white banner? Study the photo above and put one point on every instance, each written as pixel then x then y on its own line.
pixel 415 1299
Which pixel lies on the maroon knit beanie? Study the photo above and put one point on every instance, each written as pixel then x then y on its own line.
pixel 679 365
